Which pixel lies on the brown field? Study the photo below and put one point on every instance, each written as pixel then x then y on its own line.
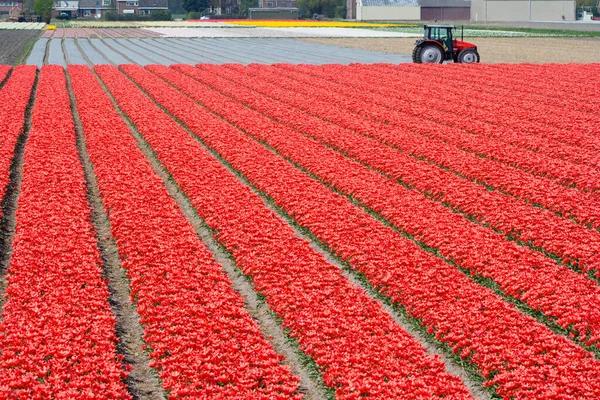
pixel 14 43
pixel 494 50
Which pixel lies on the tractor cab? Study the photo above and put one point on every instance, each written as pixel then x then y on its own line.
pixel 439 44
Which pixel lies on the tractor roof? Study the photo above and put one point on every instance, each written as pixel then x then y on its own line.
pixel 439 26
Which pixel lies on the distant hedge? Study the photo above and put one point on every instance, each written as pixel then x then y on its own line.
pixel 155 15
pixel 196 15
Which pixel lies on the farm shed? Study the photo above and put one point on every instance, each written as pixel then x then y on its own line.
pixel 379 10
pixel 461 10
pixel 425 10
pixel 522 10
pixel 273 13
pixel 447 10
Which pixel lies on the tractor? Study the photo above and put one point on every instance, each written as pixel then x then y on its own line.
pixel 438 44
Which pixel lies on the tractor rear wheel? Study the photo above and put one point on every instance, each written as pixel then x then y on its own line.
pixel 431 53
pixel 468 56
pixel 416 54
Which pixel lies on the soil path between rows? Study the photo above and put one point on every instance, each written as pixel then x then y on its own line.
pixel 492 50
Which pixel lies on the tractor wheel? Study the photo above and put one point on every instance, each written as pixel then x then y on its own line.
pixel 431 53
pixel 416 54
pixel 468 56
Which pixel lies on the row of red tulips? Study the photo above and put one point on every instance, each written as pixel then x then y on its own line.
pixel 358 348
pixel 471 319
pixel 499 115
pixel 531 82
pixel 342 111
pixel 525 114
pixel 488 127
pixel 560 293
pixel 577 245
pixel 57 335
pixel 203 342
pixel 14 96
pixel 402 108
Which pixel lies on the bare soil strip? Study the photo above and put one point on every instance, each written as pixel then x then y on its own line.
pixel 6 78
pixel 454 365
pixel 10 201
pixel 46 52
pixel 492 50
pixel 142 382
pixel 15 44
pixel 271 329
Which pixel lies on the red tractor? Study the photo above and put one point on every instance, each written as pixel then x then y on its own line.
pixel 438 45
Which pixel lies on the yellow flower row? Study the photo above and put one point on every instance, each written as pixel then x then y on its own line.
pixel 309 24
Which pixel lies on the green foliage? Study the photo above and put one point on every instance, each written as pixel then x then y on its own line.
pixel 155 15
pixel 329 8
pixel 192 15
pixel 160 15
pixel 245 5
pixel 175 7
pixel 586 3
pixel 195 5
pixel 44 8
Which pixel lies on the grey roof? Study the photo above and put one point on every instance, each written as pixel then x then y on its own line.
pixel 445 3
pixel 85 4
pixel 154 3
pixel 416 3
pixel 390 3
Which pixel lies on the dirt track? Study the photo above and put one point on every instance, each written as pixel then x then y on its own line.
pixel 13 43
pixel 494 50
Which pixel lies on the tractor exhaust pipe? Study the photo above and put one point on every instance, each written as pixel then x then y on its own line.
pixel 462 33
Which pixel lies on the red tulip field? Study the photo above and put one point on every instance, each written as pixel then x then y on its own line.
pixel 298 231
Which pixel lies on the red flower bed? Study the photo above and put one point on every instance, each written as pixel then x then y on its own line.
pixel 357 347
pixel 14 96
pixel 578 245
pixel 409 133
pixel 204 343
pixel 451 200
pixel 528 118
pixel 57 335
pixel 485 125
pixel 476 323
pixel 560 293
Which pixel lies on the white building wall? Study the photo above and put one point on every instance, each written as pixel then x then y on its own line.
pixel 553 10
pixel 387 13
pixel 522 10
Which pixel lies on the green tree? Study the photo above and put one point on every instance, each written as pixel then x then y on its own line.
pixel 325 7
pixel 586 3
pixel 44 8
pixel 195 5
pixel 245 5
pixel 175 7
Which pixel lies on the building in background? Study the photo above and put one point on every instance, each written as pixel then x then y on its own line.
pixel 386 10
pixel 461 10
pixel 523 10
pixel 275 13
pixel 69 8
pixel 96 8
pixel 10 8
pixel 445 10
pixel 274 9
pixel 93 8
pixel 276 3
